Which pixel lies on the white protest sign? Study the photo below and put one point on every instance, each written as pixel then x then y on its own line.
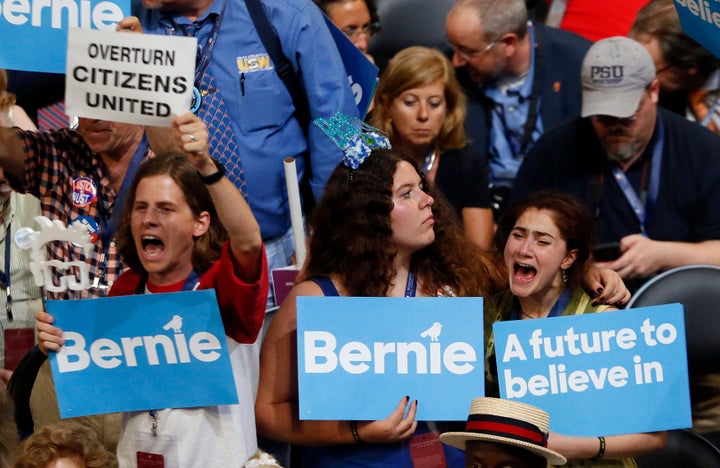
pixel 133 78
pixel 75 275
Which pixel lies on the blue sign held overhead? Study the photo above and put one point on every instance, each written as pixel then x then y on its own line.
pixel 34 32
pixel 136 353
pixel 700 19
pixel 358 356
pixel 607 373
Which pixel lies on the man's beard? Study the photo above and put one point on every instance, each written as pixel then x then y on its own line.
pixel 621 152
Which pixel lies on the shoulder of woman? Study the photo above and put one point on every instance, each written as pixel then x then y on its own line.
pixel 306 288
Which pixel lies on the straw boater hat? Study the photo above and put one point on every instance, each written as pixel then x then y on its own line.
pixel 506 422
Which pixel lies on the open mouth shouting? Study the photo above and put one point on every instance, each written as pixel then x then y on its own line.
pixel 152 246
pixel 523 273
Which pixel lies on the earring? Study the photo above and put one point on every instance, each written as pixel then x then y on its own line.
pixel 564 276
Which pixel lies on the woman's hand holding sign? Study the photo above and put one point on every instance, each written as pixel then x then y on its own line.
pixel 50 337
pixel 396 427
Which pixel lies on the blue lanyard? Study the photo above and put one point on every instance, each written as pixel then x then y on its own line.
pixel 641 209
pixel 706 121
pixel 109 222
pixel 190 284
pixel 556 311
pixel 204 51
pixel 411 285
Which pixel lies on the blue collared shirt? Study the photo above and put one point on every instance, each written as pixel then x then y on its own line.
pixel 262 111
pixel 510 112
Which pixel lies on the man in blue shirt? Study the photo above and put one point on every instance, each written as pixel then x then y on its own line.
pixel 263 121
pixel 521 79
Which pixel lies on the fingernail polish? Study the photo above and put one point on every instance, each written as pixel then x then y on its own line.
pixel 407 398
pixel 600 290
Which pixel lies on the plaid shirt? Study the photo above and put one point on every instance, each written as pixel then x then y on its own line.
pixel 54 161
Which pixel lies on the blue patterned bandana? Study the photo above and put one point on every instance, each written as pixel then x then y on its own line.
pixel 354 137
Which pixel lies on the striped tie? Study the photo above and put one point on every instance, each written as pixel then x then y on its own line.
pixel 53 117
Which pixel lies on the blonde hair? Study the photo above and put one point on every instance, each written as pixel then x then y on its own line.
pixel 419 66
pixel 7 99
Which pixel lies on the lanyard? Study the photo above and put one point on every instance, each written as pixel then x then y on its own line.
pixel 205 51
pixel 5 275
pixel 109 222
pixel 191 283
pixel 642 207
pixel 706 121
pixel 520 148
pixel 411 285
pixel 556 311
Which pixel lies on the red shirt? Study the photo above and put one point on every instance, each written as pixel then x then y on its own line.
pixel 598 19
pixel 242 305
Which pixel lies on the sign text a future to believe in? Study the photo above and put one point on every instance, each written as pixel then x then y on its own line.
pixel 606 373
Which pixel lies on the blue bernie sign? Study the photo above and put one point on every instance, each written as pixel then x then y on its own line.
pixel 362 73
pixel 135 353
pixel 700 19
pixel 359 356
pixel 607 373
pixel 34 32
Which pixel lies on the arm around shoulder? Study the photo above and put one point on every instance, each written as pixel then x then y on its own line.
pixel 615 447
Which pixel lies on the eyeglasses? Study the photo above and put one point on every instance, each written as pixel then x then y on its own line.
pixel 367 30
pixel 468 54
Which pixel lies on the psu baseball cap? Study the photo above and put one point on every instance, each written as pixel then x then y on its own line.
pixel 615 71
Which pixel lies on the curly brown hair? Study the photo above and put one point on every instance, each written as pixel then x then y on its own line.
pixel 64 440
pixel 176 166
pixel 352 236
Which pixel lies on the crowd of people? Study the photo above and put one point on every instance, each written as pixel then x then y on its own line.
pixel 489 166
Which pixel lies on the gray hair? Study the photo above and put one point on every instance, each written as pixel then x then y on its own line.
pixel 499 17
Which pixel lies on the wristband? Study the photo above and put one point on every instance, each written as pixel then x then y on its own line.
pixel 212 178
pixel 355 434
pixel 601 450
